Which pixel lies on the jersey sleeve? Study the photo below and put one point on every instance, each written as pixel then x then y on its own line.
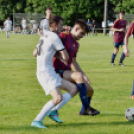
pixel 57 44
pixel 115 24
pixel 130 30
pixel 40 43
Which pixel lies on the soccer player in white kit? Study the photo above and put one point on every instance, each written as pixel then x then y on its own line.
pixel 46 75
pixel 44 23
pixel 8 26
pixel 23 23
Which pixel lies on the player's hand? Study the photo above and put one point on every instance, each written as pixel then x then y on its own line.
pixel 127 53
pixel 86 78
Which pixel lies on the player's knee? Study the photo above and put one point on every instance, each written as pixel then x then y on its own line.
pixel 90 92
pixel 58 99
pixel 73 91
pixel 79 77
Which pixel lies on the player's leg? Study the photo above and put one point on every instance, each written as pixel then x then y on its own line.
pixel 90 93
pixel 77 77
pixel 8 34
pixel 56 99
pixel 71 92
pixel 122 56
pixel 116 50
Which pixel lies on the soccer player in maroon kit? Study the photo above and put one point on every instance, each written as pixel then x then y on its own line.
pixel 119 28
pixel 130 32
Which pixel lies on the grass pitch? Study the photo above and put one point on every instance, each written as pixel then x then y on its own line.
pixel 21 96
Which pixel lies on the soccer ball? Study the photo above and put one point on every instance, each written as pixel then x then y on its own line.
pixel 130 114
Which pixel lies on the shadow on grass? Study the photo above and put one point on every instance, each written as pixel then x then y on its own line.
pixel 28 128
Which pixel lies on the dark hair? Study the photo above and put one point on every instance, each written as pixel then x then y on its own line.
pixel 49 8
pixel 82 24
pixel 55 19
pixel 121 11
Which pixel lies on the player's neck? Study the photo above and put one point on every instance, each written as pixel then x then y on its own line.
pixel 53 30
pixel 47 17
pixel 121 19
pixel 72 34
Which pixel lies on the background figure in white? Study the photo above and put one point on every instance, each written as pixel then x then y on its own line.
pixel 34 28
pixel 44 23
pixel 23 23
pixel 8 26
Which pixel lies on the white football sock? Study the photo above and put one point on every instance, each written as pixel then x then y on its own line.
pixel 8 34
pixel 45 110
pixel 66 98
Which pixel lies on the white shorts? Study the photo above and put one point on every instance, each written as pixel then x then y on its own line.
pixel 49 81
pixel 24 26
pixel 7 28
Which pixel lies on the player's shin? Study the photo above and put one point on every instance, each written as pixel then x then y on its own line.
pixel 122 57
pixel 8 34
pixel 82 107
pixel 83 94
pixel 45 110
pixel 113 57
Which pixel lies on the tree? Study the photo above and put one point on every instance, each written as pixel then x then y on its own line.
pixel 70 10
pixel 7 7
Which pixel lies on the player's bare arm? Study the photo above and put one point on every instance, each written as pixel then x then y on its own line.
pixel 39 32
pixel 64 56
pixel 35 52
pixel 119 29
pixel 126 51
pixel 75 66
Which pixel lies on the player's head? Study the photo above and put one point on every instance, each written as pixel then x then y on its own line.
pixel 8 18
pixel 121 14
pixel 23 18
pixel 88 20
pixel 80 28
pixel 56 23
pixel 48 12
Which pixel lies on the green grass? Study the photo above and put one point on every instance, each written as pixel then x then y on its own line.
pixel 21 96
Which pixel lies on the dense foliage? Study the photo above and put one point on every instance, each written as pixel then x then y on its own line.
pixel 70 10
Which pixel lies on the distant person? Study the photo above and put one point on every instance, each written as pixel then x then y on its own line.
pixel 23 23
pixel 93 28
pixel 66 29
pixel 89 23
pixel 18 29
pixel 8 26
pixel 119 29
pixel 34 28
pixel 44 23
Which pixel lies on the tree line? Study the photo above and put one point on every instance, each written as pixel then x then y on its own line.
pixel 70 10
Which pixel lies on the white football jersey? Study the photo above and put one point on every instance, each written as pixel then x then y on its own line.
pixel 44 25
pixel 8 23
pixel 23 22
pixel 50 43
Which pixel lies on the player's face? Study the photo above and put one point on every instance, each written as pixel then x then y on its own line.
pixel 59 27
pixel 48 13
pixel 79 33
pixel 121 15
